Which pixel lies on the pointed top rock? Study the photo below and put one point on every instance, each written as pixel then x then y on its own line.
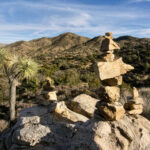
pixel 135 93
pixel 108 45
pixel 108 35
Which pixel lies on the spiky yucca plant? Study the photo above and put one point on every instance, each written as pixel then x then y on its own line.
pixel 16 69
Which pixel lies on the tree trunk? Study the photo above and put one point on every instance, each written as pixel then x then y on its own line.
pixel 12 99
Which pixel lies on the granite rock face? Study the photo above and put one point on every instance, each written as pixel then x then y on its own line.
pixel 37 130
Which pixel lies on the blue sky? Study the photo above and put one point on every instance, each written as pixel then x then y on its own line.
pixel 30 19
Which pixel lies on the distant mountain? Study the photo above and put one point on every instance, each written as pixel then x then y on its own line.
pixel 59 43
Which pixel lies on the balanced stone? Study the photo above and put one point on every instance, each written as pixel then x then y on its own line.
pixel 135 93
pixel 135 101
pixel 108 70
pixel 50 95
pixel 108 44
pixel 113 81
pixel 49 86
pixel 111 111
pixel 108 35
pixel 133 106
pixel 135 111
pixel 109 94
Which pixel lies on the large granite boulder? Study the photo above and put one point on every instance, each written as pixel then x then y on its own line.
pixel 83 104
pixel 36 130
pixel 62 113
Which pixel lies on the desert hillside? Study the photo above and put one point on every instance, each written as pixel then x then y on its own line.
pixel 69 60
pixel 70 51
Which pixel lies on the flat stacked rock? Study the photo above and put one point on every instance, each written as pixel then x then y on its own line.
pixel 135 105
pixel 109 72
pixel 48 94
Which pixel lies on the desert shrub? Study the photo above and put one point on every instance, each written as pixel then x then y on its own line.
pixel 63 65
pixel 91 78
pixel 59 77
pixel 48 70
pixel 91 58
pixel 72 77
pixel 67 77
pixel 127 86
pixel 32 86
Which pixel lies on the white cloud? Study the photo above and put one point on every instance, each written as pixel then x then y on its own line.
pixel 53 18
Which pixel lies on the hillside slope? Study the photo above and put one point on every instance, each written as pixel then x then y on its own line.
pixel 69 60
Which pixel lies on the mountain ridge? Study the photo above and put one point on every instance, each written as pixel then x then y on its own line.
pixel 81 52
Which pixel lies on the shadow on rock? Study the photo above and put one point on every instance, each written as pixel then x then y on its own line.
pixel 38 128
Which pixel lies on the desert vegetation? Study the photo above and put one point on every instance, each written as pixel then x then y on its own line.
pixel 16 69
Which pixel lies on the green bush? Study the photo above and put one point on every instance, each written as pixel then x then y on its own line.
pixel 126 85
pixel 67 77
pixel 48 70
pixel 91 78
pixel 72 77
pixel 31 85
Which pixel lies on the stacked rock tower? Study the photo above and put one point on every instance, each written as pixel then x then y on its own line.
pixel 109 72
pixel 48 93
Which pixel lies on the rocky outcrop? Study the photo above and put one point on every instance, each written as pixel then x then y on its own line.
pixel 37 130
pixel 83 104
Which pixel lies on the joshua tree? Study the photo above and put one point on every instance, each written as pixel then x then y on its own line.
pixel 16 69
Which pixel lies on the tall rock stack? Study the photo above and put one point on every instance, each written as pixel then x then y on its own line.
pixel 109 72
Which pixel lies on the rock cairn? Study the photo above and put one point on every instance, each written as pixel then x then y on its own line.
pixel 134 105
pixel 48 93
pixel 109 72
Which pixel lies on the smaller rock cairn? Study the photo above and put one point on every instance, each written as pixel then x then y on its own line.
pixel 135 104
pixel 48 93
pixel 109 72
